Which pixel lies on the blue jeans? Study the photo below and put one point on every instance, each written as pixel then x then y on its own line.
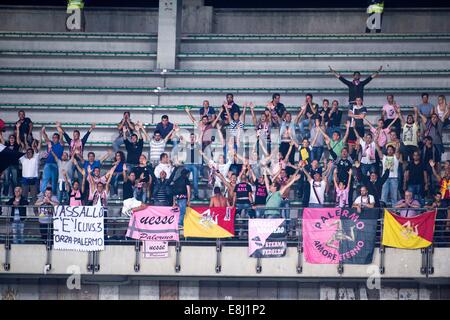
pixel 316 153
pixel 194 169
pixel 303 125
pixel 50 173
pixel 18 228
pixel 417 191
pixel 63 196
pixel 367 168
pixel 390 188
pixel 315 205
pixel 117 143
pixel 182 203
pixel 115 183
pixel 10 179
pixel 140 194
pixel 245 206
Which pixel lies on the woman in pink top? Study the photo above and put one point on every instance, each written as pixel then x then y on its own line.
pixel 380 134
pixel 342 190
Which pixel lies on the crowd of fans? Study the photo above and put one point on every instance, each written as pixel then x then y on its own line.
pixel 325 154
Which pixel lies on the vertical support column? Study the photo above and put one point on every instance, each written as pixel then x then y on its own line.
pixel 169 33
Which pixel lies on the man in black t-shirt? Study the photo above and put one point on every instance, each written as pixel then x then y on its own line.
pixel 243 196
pixel 416 179
pixel 134 149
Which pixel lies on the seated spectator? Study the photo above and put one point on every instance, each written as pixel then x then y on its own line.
pixel 125 124
pixel 425 108
pixel 442 219
pixel 407 204
pixel 444 183
pixel 365 200
pixel 46 209
pixel 165 128
pixel 218 200
pixel 24 126
pixel 18 205
pixel 430 152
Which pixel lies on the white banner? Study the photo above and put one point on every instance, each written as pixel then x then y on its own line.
pixel 156 249
pixel 79 228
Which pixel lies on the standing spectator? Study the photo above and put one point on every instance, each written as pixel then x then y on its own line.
pixel 390 162
pixel 342 190
pixel 444 183
pixel 76 145
pixel 443 110
pixel 231 107
pixel 166 128
pixel 430 152
pixel 162 189
pixel 18 213
pixel 134 147
pixel 261 194
pixel 367 153
pixel 407 204
pixel 51 168
pixel 276 109
pixel 416 178
pixel 143 173
pixel 157 144
pixel 433 128
pixel 310 111
pixel 425 108
pixel 129 183
pixel 76 193
pixel 324 112
pixel 373 183
pixel 442 225
pixel 365 200
pixel 181 190
pixel 243 196
pixel 275 195
pixel 124 125
pixel 30 173
pixel 335 115
pixel 390 114
pixel 218 200
pixel 91 162
pixel 46 209
pixel 99 187
pixel 205 127
pixel 164 165
pixel 25 127
pixel 236 125
pixel 65 166
pixel 318 185
pixel 119 158
pixel 380 134
pixel 263 128
pixel 12 171
pixel 410 134
pixel 357 114
pixel 193 160
pixel 317 134
pixel 356 86
pixel 343 165
pixel 207 110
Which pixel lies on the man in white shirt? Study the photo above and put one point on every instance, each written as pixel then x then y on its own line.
pixel 318 185
pixel 30 173
pixel 164 165
pixel 390 162
pixel 365 200
pixel 367 153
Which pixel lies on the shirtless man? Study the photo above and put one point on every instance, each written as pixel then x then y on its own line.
pixel 218 200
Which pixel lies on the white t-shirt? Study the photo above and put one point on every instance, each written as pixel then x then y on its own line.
pixel 30 167
pixel 367 152
pixel 387 161
pixel 320 190
pixel 409 135
pixel 390 111
pixel 163 167
pixel 363 201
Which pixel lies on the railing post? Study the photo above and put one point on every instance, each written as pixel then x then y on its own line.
pixel 258 265
pixel 382 248
pixel 48 246
pixel 178 252
pixel 90 265
pixel 96 261
pixel 424 267
pixel 218 256
pixel 137 249
pixel 430 267
pixel 7 264
pixel 300 245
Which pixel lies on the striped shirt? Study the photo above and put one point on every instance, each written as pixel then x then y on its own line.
pixel 156 148
pixel 235 127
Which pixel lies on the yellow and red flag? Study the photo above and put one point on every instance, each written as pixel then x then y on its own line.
pixel 408 233
pixel 205 222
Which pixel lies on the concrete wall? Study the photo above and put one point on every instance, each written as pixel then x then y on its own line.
pixel 203 19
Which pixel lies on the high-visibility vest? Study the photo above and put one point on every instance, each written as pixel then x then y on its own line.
pixel 75 4
pixel 376 8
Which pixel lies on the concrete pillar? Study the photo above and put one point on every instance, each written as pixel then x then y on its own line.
pixel 169 33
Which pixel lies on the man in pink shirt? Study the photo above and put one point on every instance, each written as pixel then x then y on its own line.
pixel 390 114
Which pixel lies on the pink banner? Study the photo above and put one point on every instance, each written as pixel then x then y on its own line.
pixel 266 238
pixel 154 224
pixel 319 227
